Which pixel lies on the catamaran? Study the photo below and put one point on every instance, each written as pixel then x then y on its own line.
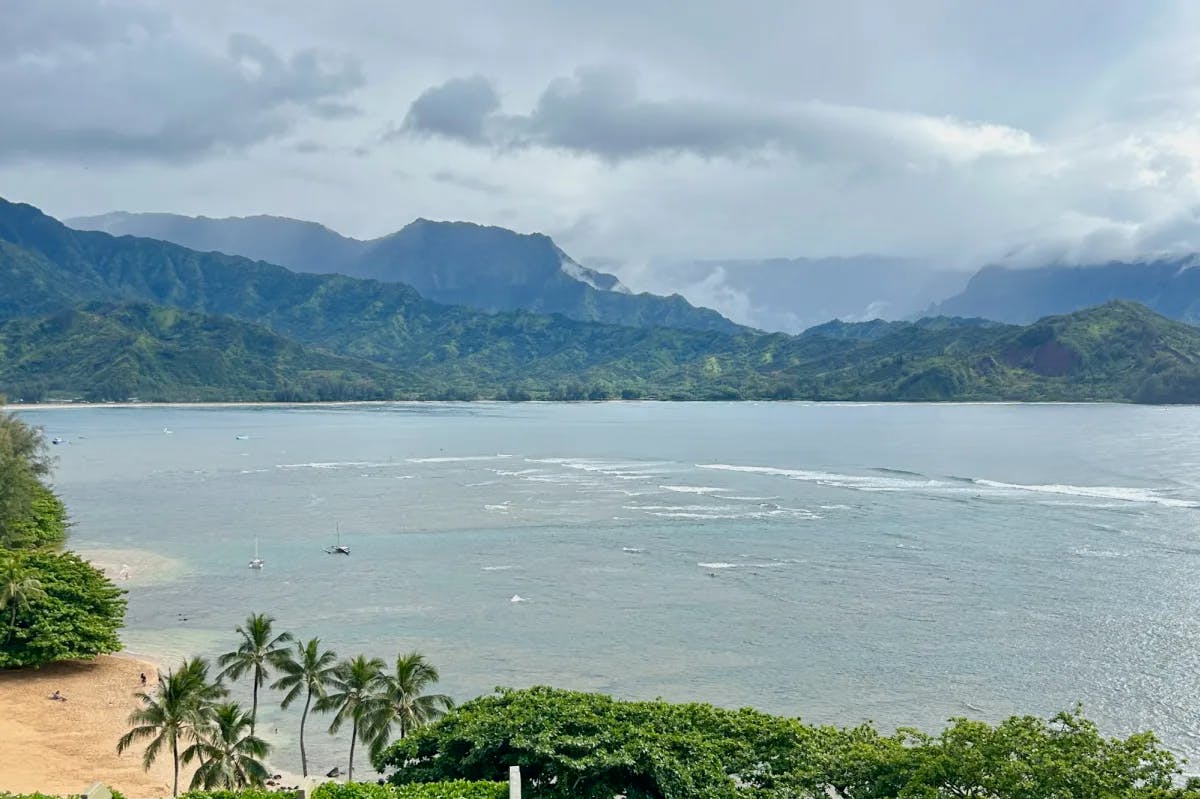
pixel 257 562
pixel 338 548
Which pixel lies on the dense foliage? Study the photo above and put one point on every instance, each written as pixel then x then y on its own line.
pixel 5 794
pixel 243 793
pixel 102 352
pixel 453 789
pixel 53 606
pixel 590 746
pixel 421 350
pixel 30 515
pixel 76 612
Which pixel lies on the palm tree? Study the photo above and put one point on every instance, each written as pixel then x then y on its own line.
pixel 180 706
pixel 306 669
pixel 402 702
pixel 256 654
pixel 18 589
pixel 229 756
pixel 354 697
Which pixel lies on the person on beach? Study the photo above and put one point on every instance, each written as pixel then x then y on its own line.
pixel 143 678
pixel 57 697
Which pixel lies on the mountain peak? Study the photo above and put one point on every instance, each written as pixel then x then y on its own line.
pixel 451 262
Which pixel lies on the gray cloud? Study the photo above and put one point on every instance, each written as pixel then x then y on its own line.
pixel 131 87
pixel 458 109
pixel 600 111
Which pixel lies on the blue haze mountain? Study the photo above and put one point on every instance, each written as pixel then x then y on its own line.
pixel 793 294
pixel 1169 286
pixel 455 263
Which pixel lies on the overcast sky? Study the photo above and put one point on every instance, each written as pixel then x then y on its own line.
pixel 958 132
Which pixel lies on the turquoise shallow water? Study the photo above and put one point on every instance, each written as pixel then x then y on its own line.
pixel 901 563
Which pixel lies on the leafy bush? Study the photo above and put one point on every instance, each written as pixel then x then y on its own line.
pixel 456 789
pixel 72 612
pixel 42 523
pixel 244 793
pixel 5 795
pixel 590 746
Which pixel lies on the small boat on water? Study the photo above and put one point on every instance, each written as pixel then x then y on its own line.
pixel 338 548
pixel 256 562
pixel 57 440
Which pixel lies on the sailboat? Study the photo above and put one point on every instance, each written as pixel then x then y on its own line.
pixel 257 562
pixel 338 548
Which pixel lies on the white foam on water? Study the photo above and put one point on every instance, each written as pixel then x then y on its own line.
pixel 692 489
pixel 717 565
pixel 1087 552
pixel 1118 493
pixel 629 470
pixel 510 473
pixel 632 550
pixel 339 465
pixel 457 458
pixel 496 568
pixel 503 507
pixel 702 516
pixel 708 508
pixel 851 481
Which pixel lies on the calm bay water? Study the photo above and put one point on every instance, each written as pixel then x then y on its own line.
pixel 898 563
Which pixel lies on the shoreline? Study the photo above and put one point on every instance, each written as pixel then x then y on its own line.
pixel 48 406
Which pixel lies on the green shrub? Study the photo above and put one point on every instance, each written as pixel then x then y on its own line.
pixel 5 795
pixel 457 789
pixel 75 612
pixel 244 793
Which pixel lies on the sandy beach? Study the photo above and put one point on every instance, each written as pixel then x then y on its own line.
pixel 63 747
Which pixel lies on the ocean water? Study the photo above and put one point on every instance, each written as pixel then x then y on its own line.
pixel 897 563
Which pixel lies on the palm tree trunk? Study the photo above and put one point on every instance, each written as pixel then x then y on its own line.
pixel 12 625
pixel 304 718
pixel 254 699
pixel 175 757
pixel 353 738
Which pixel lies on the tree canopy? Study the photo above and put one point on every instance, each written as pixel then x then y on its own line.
pixel 592 746
pixel 30 515
pixel 77 612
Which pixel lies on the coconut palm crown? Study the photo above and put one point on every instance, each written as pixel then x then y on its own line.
pixel 257 653
pixel 402 703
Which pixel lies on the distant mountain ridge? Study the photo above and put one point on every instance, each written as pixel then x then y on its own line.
pixel 1169 286
pixel 182 324
pixel 456 263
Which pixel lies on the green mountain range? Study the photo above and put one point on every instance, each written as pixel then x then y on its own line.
pixel 455 263
pixel 87 314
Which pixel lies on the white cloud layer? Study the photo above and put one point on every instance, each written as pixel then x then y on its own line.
pixel 961 134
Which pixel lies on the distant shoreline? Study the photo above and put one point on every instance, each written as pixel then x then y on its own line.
pixel 47 406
